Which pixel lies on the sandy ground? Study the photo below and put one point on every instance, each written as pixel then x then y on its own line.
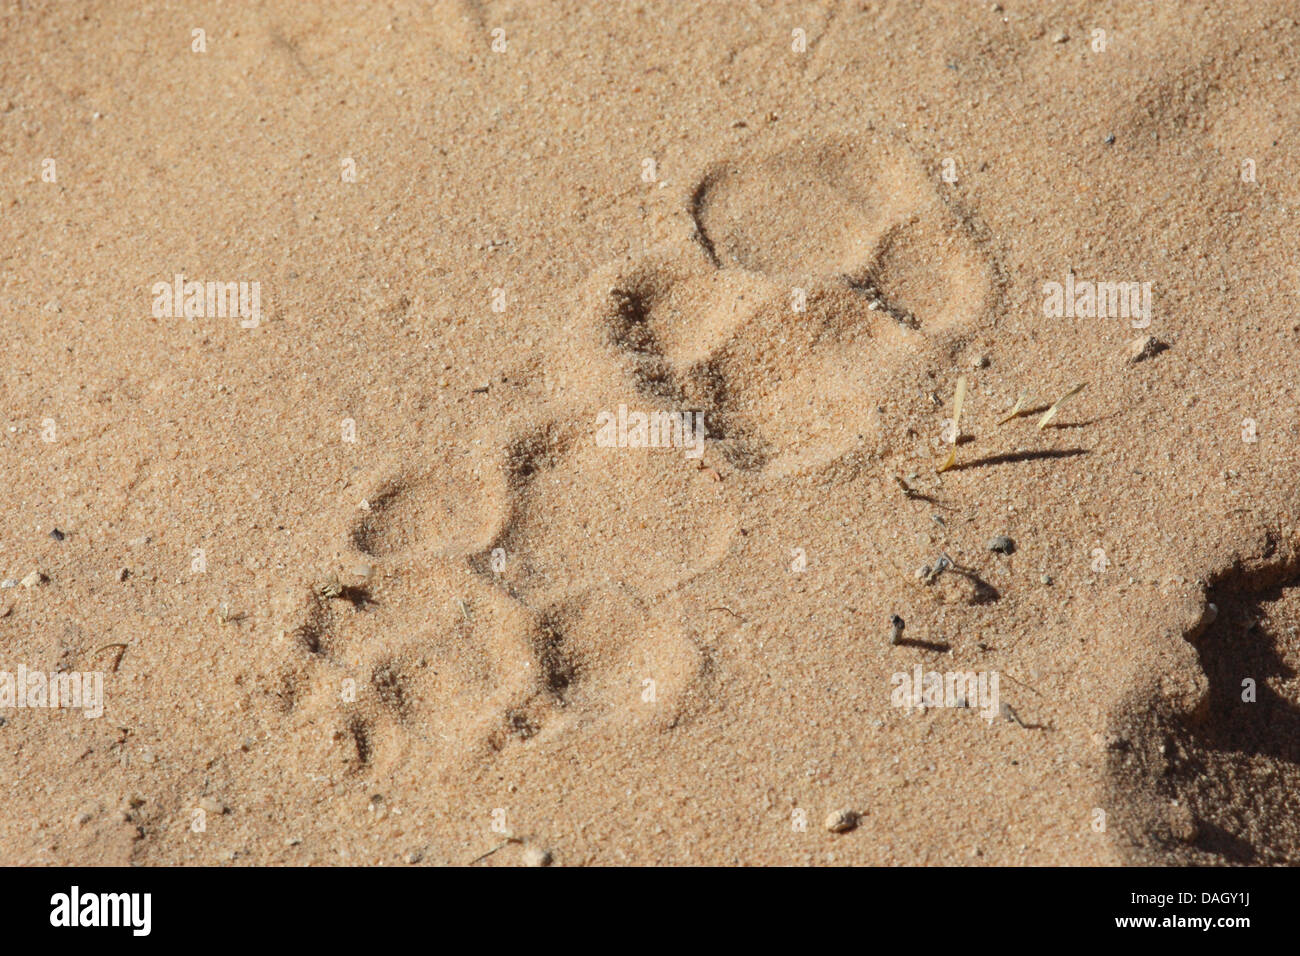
pixel 365 585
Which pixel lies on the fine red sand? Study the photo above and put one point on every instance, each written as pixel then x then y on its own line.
pixel 364 581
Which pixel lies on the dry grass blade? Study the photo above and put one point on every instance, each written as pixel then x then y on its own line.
pixel 1021 402
pixel 1056 406
pixel 958 401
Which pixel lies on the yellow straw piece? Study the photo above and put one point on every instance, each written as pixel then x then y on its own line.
pixel 1015 410
pixel 1051 412
pixel 958 401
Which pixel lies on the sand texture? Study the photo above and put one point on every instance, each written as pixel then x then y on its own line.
pixel 364 582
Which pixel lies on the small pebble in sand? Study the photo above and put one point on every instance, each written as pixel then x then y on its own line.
pixel 123 574
pixel 896 625
pixel 536 856
pixel 981 361
pixel 841 821
pixel 33 579
pixel 1045 579
pixel 415 856
pixel 56 534
pixel 941 565
pixel 212 805
pixel 328 587
pixel 922 572
pixel 1001 544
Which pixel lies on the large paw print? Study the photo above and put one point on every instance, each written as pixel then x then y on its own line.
pixel 471 608
pixel 404 635
pixel 818 274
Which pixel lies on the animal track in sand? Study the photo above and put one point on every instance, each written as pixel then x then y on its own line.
pixel 854 234
pixel 598 542
pixel 568 623
pixel 463 661
pixel 548 582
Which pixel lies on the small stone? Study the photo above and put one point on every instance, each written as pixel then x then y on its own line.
pixel 414 856
pixel 1110 139
pixel 841 821
pixel 536 856
pixel 896 625
pixel 293 841
pixel 123 574
pixel 212 805
pixel 33 579
pixel 1061 37
pixel 941 565
pixel 1045 579
pixel 922 572
pixel 56 534
pixel 1001 544
pixel 1143 348
pixel 328 587
pixel 981 361
pixel 82 818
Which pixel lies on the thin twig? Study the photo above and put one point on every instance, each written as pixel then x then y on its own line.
pixel 120 654
pixel 500 846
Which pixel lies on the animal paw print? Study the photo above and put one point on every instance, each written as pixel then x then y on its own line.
pixel 818 276
pixel 474 607
pixel 598 544
pixel 407 647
